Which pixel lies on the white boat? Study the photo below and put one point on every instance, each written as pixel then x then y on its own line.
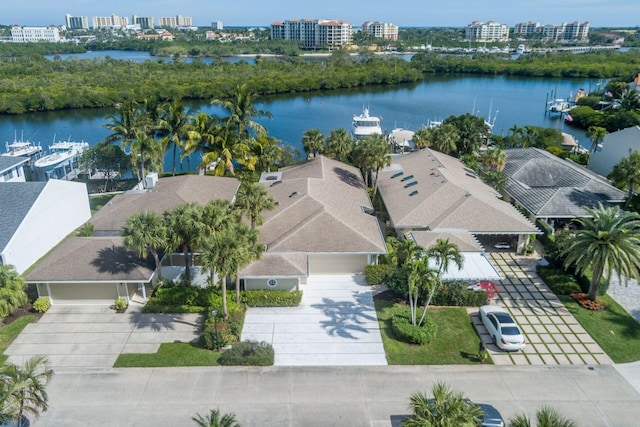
pixel 521 49
pixel 62 154
pixel 434 123
pixel 365 125
pixel 558 105
pixel 22 149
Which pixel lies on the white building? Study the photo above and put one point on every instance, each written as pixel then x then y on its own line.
pixel 566 31
pixel 12 168
pixel 615 147
pixel 314 33
pixel 174 21
pixel 113 21
pixel 217 25
pixel 486 31
pixel 35 34
pixel 381 30
pixel 76 22
pixel 36 216
pixel 145 22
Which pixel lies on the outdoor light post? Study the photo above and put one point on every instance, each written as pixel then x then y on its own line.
pixel 214 313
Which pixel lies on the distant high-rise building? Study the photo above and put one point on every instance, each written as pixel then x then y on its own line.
pixel 381 30
pixel 217 25
pixel 486 31
pixel 314 33
pixel 145 22
pixel 567 31
pixel 34 34
pixel 76 22
pixel 174 21
pixel 113 21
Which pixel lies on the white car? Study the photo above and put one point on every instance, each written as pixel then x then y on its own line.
pixel 502 245
pixel 502 328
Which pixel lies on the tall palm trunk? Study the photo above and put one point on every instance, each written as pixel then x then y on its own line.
pixel 596 277
pixel 223 287
pixel 237 288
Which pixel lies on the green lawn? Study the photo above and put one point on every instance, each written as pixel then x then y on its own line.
pixel 9 333
pixel 615 331
pixel 170 354
pixel 456 340
pixel 96 202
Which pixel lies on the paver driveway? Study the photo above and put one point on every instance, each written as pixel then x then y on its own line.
pixel 335 324
pixel 554 336
pixel 94 336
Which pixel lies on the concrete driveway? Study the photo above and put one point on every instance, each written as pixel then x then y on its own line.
pixel 94 336
pixel 335 324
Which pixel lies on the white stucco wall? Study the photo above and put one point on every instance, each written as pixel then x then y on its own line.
pixel 15 174
pixel 616 146
pixel 283 284
pixel 62 207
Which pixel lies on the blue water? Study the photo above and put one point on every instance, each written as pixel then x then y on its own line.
pixel 507 100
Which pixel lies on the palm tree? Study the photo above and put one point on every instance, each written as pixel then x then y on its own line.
pixel 496 180
pixel 23 388
pixel 493 160
pixel 446 138
pixel 124 125
pixel 545 417
pixel 445 408
pixel 370 155
pixel 225 149
pixel 214 419
pixel 596 134
pixel 12 294
pixel 313 142
pixel 185 230
pixel 339 144
pixel 268 152
pixel 242 111
pixel 173 126
pixel 253 199
pixel 607 242
pixel 247 249
pixel 444 253
pixel 422 279
pixel 145 150
pixel 146 233
pixel 200 135
pixel 218 255
pixel 626 174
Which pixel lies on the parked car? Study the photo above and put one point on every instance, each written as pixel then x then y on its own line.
pixel 502 245
pixel 502 328
pixel 490 416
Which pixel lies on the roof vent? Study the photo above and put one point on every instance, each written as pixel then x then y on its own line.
pixel 407 178
pixel 294 194
pixel 411 184
pixel 413 193
pixel 397 174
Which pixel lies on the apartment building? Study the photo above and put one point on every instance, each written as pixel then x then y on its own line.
pixel 381 30
pixel 113 21
pixel 175 21
pixel 35 34
pixel 486 31
pixel 314 33
pixel 76 22
pixel 145 22
pixel 567 31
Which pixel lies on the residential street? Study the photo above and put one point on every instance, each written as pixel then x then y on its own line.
pixel 329 396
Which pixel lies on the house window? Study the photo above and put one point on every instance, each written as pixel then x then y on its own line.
pixel 272 283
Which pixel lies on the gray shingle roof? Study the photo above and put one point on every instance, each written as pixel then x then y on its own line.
pixel 550 187
pixel 277 264
pixel 168 193
pixel 8 162
pixel 92 259
pixel 16 200
pixel 445 196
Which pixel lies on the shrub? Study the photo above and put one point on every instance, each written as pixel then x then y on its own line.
pixel 42 304
pixel 559 281
pixel 120 304
pixel 85 231
pixel 456 294
pixel 169 293
pixel 377 274
pixel 248 353
pixel 405 331
pixel 229 330
pixel 267 298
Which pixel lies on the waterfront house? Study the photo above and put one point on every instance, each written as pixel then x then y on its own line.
pixel 12 169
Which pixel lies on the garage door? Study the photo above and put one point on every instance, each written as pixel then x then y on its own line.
pixel 83 293
pixel 337 264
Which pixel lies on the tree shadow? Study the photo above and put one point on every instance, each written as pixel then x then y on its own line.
pixel 346 318
pixel 118 260
pixel 157 322
pixel 349 177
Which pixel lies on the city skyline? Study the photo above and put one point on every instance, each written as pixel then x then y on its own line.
pixel 409 13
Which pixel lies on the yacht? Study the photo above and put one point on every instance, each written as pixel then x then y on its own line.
pixel 63 154
pixel 365 125
pixel 521 49
pixel 558 105
pixel 23 149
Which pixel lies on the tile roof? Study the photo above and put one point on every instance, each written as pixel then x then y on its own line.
pixel 168 193
pixel 17 199
pixel 428 189
pixel 320 209
pixel 548 186
pixel 92 259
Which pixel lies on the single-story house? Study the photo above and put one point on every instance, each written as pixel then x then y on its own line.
pixel 322 224
pixel 12 169
pixel 92 270
pixel 615 147
pixel 36 216
pixel 430 191
pixel 554 189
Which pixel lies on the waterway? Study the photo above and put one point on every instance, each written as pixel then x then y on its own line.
pixel 506 101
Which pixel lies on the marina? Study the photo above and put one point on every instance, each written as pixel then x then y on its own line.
pixel 61 162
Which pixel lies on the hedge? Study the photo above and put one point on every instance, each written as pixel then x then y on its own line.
pixel 405 331
pixel 456 294
pixel 377 274
pixel 559 281
pixel 229 330
pixel 248 353
pixel 268 298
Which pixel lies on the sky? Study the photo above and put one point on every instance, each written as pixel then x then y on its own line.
pixel 404 13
